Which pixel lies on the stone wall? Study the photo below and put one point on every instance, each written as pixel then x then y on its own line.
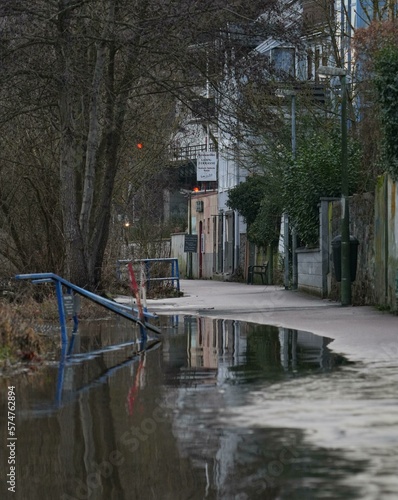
pixel 374 222
pixel 315 266
pixel 362 223
pixel 386 243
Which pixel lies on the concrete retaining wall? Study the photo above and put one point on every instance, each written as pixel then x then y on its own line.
pixel 309 266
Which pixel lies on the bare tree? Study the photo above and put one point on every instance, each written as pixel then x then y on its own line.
pixel 82 72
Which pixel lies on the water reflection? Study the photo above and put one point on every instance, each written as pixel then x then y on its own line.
pixel 93 356
pixel 216 411
pixel 217 351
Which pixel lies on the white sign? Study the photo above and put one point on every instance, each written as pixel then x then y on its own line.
pixel 206 167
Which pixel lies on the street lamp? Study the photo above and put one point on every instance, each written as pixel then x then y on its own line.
pixel 345 216
pixel 292 94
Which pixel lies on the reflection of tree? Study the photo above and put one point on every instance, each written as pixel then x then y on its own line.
pixel 263 349
pixel 97 421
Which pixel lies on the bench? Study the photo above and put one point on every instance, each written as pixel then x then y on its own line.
pixel 259 270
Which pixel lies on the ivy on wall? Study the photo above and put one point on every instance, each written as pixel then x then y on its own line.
pixel 315 174
pixel 386 82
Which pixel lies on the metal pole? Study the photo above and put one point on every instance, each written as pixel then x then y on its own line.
pixel 294 232
pixel 61 312
pixel 286 248
pixel 294 125
pixel 189 270
pixel 345 217
pixel 345 289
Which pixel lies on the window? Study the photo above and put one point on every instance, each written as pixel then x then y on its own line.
pixel 283 59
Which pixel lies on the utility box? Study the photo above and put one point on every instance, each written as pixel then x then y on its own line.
pixel 336 254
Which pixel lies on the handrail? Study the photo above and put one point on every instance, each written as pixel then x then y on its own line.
pixel 120 309
pixel 175 273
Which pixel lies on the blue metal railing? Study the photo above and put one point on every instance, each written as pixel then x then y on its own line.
pixel 174 276
pixel 120 309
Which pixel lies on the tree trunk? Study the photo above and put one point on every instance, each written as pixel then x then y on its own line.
pixel 70 156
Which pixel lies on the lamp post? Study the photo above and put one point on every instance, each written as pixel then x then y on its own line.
pixel 292 94
pixel 345 216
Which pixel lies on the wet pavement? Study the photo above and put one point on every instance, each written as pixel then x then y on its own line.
pixel 361 333
pixel 220 408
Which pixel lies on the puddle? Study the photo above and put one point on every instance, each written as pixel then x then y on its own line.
pixel 217 410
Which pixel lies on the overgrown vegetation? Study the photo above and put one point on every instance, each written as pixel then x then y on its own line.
pixel 316 173
pixel 377 57
pixel 386 82
pixel 259 201
pixel 18 339
pixel 295 186
pixel 29 329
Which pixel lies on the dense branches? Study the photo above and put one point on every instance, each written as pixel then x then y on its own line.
pixel 378 59
pixel 81 73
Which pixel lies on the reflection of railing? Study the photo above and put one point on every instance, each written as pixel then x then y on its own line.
pixel 120 309
pixel 70 363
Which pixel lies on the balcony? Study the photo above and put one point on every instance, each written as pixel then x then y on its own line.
pixel 188 152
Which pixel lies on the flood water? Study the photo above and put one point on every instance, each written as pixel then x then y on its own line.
pixel 216 410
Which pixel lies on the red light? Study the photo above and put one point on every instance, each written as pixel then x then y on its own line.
pixel 196 189
pixel 140 145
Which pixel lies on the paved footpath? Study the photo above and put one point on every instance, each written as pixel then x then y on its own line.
pixel 360 333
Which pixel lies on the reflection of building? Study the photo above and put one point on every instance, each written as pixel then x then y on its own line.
pixel 214 343
pixel 303 348
pixel 219 351
pixel 175 439
pixel 222 357
pixel 212 346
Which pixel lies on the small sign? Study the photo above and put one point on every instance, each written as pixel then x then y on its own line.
pixel 72 304
pixel 206 166
pixel 68 305
pixel 191 243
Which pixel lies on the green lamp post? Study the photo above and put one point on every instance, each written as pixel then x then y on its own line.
pixel 345 216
